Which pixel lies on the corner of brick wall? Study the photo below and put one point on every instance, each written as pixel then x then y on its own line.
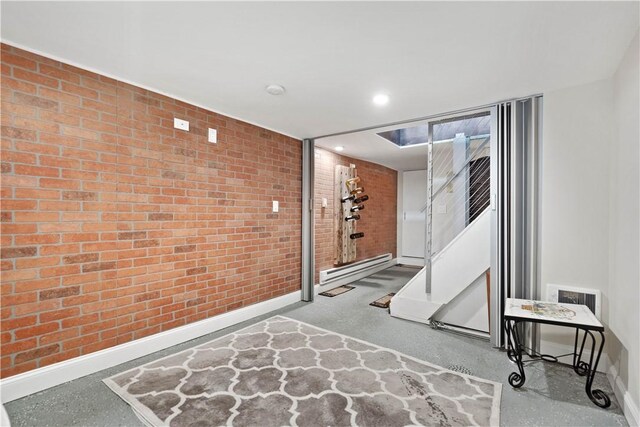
pixel 116 226
pixel 378 219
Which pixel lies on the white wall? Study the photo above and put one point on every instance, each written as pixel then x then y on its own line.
pixel 590 208
pixel 577 127
pixel 624 214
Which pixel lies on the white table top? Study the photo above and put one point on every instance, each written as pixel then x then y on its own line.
pixel 563 314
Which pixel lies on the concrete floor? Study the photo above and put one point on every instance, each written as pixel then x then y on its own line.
pixel 552 396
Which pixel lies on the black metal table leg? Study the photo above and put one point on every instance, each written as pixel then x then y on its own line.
pixel 597 396
pixel 514 352
pixel 581 368
pixel 517 311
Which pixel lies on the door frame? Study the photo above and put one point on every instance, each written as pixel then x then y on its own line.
pixel 308 241
pixel 401 241
pixel 520 125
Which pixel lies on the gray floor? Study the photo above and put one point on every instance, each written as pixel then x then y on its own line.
pixel 552 396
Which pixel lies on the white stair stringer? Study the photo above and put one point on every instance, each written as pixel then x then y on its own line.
pixel 412 302
pixel 469 309
pixel 461 263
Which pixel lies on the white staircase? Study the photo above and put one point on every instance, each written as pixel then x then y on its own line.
pixel 458 284
pixel 412 302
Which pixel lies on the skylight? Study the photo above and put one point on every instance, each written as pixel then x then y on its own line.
pixel 407 136
pixel 442 132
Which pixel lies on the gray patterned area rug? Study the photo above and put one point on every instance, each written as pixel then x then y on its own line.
pixel 284 372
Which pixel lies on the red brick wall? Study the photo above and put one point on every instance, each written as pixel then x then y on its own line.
pixel 116 226
pixel 378 219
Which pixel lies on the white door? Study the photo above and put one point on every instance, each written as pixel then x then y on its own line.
pixel 414 193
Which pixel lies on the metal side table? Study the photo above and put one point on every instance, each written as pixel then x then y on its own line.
pixel 574 316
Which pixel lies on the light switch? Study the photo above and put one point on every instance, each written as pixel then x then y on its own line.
pixel 213 136
pixel 180 124
pixel 276 206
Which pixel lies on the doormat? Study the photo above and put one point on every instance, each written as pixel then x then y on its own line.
pixel 284 372
pixel 336 291
pixel 384 301
pixel 413 267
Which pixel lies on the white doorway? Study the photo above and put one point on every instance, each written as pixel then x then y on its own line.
pixel 414 193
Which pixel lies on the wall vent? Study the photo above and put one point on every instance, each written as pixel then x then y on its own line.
pixel 574 295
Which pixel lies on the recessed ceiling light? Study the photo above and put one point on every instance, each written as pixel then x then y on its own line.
pixel 381 99
pixel 339 148
pixel 275 89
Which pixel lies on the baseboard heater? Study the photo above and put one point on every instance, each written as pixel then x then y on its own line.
pixel 333 274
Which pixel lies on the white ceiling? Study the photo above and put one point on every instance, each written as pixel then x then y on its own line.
pixel 332 57
pixel 367 145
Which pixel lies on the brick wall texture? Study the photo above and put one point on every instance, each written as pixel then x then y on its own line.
pixel 378 219
pixel 116 226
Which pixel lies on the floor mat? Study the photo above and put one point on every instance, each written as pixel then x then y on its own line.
pixel 384 301
pixel 413 267
pixel 282 371
pixel 336 291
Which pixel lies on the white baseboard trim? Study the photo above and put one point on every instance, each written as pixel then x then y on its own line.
pixel 629 407
pixel 344 280
pixel 43 378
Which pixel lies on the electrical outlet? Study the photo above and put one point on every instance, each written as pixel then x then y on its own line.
pixel 181 124
pixel 276 206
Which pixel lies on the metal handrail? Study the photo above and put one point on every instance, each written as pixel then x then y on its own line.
pixel 466 163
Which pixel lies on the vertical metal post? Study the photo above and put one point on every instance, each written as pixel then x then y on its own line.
pixel 536 167
pixel 496 298
pixel 530 142
pixel 308 251
pixel 428 211
pixel 534 178
pixel 514 190
pixel 519 213
pixel 505 202
pixel 467 178
pixel 501 243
